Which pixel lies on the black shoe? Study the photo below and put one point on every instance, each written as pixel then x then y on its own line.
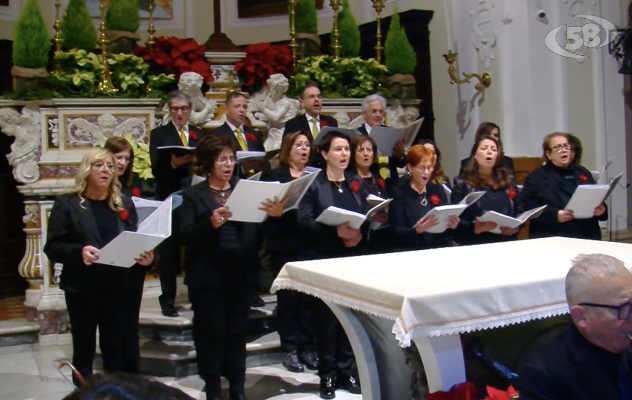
pixel 349 383
pixel 170 311
pixel 309 360
pixel 236 394
pixel 257 301
pixel 291 362
pixel 327 388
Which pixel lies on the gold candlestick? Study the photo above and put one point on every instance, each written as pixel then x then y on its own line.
pixel 484 81
pixel 335 4
pixel 379 6
pixel 151 41
pixel 293 44
pixel 105 85
pixel 57 26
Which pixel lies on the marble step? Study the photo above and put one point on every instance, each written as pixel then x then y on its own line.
pixel 18 331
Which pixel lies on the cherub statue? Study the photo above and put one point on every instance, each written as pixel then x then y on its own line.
pixel 25 127
pixel 400 117
pixel 202 109
pixel 272 106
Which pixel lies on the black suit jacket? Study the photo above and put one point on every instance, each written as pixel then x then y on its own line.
pixel 300 123
pixel 71 227
pixel 570 367
pixel 205 264
pixel 168 179
pixel 507 163
pixel 254 138
pixel 319 241
pixel 541 188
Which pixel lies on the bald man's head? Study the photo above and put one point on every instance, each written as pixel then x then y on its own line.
pixel 589 276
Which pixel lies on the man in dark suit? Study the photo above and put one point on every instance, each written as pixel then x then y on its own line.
pixel 311 100
pixel 169 171
pixel 591 359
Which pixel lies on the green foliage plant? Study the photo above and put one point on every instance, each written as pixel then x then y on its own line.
pixel 31 42
pixel 400 56
pixel 349 32
pixel 142 161
pixel 306 17
pixel 122 15
pixel 77 29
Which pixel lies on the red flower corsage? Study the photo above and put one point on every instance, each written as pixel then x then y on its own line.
pixel 193 135
pixel 511 193
pixel 136 192
pixel 323 123
pixel 435 200
pixel 583 179
pixel 382 184
pixel 250 136
pixel 355 187
pixel 124 214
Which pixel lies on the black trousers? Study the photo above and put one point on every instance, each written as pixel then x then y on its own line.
pixel 335 356
pixel 220 321
pixel 109 314
pixel 294 313
pixel 131 356
pixel 169 264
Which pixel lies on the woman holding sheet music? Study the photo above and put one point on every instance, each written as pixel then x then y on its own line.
pixel 81 222
pixel 413 199
pixel 220 256
pixel 553 185
pixel 485 171
pixel 332 187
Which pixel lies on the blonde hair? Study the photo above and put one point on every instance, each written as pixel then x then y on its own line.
pixel 90 157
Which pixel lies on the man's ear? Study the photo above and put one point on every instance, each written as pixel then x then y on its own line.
pixel 579 317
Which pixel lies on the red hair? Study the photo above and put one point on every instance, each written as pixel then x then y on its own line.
pixel 419 153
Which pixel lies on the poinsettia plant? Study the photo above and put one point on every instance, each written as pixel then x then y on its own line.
pixel 263 60
pixel 172 55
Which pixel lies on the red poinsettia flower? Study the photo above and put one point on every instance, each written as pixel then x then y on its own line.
pixel 511 193
pixel 583 179
pixel 250 136
pixel 136 192
pixel 124 214
pixel 193 135
pixel 263 60
pixel 462 391
pixel 382 184
pixel 435 200
pixel 355 187
pixel 495 394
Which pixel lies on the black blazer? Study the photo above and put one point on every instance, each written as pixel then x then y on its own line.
pixel 404 212
pixel 320 241
pixel 570 367
pixel 542 188
pixel 254 143
pixel 507 163
pixel 168 178
pixel 135 189
pixel 300 123
pixel 205 264
pixel 71 227
pixel 281 233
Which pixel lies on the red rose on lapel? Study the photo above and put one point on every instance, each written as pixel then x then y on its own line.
pixel 382 184
pixel 435 200
pixel 355 187
pixel 511 193
pixel 193 135
pixel 323 123
pixel 250 136
pixel 136 192
pixel 124 214
pixel 583 179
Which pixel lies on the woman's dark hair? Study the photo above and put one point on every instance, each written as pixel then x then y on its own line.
pixel 288 142
pixel 116 144
pixel 438 176
pixel 120 386
pixel 356 143
pixel 325 143
pixel 546 144
pixel 485 129
pixel 578 150
pixel 501 176
pixel 208 150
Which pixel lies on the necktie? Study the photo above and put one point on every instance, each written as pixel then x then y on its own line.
pixel 183 137
pixel 241 140
pixel 314 127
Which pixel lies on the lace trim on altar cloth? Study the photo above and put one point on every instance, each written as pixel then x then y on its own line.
pixel 405 335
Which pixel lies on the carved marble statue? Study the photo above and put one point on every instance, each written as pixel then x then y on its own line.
pixel 25 127
pixel 202 109
pixel 83 131
pixel 400 117
pixel 271 108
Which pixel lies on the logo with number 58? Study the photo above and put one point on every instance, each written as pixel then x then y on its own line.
pixel 579 38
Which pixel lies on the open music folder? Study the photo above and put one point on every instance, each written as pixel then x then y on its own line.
pixel 334 216
pixel 386 137
pixel 587 197
pixel 510 222
pixel 443 213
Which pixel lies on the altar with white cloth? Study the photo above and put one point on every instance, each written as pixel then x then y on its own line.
pixel 429 297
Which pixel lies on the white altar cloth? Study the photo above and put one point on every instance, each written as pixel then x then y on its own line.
pixel 451 290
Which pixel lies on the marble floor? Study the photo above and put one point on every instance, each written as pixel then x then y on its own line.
pixel 27 373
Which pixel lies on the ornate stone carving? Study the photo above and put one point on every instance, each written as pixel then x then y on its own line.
pixel 53 131
pixel 57 268
pixel 31 218
pixel 271 109
pixel 400 117
pixel 203 110
pixel 25 127
pixel 225 74
pixel 87 130
pixel 484 37
pixel 30 265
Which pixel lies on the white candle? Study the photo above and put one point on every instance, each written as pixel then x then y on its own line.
pixel 448 21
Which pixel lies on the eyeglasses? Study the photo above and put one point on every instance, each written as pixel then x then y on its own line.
pixel 559 147
pixel 101 166
pixel 226 160
pixel 176 110
pixel 623 311
pixel 301 145
pixel 422 169
pixel 122 158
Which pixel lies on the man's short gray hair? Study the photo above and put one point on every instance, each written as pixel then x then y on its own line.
pixel 178 95
pixel 587 267
pixel 371 98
